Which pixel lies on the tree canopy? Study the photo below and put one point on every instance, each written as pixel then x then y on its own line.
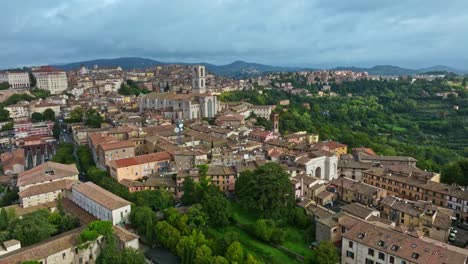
pixel 49 114
pixel 64 154
pixel 266 189
pixel 4 85
pixel 325 253
pixel 4 115
pixel 32 228
pixel 456 172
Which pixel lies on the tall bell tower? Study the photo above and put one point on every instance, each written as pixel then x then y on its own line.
pixel 198 79
pixel 274 118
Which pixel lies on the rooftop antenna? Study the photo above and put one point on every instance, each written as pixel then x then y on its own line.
pixel 178 130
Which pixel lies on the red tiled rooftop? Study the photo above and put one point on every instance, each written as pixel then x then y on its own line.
pixel 260 133
pixel 47 69
pixel 40 173
pixel 159 156
pixel 368 151
pixel 117 145
pixel 334 145
pixel 100 195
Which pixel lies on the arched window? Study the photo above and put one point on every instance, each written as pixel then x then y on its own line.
pixel 210 108
pixel 318 172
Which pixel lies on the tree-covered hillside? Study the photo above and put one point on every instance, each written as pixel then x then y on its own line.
pixel 392 117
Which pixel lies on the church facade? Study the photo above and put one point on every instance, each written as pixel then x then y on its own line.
pixel 194 105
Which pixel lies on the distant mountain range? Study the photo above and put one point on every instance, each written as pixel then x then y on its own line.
pixel 395 70
pixel 242 69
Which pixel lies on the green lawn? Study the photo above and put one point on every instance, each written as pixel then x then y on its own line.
pixel 242 215
pixel 259 249
pixel 295 241
pixel 295 238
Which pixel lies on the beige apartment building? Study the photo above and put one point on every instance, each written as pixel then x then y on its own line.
pixel 44 183
pixel 411 183
pixel 50 79
pixel 107 152
pixel 57 249
pixel 16 79
pixel 367 243
pixel 41 106
pixel 140 166
pixel 434 221
pixel 19 111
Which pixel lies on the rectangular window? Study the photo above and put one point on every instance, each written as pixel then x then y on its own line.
pixel 350 244
pixel 392 260
pixel 368 261
pixel 370 252
pixel 381 256
pixel 350 254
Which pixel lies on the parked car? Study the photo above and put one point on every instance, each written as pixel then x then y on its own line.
pixel 452 237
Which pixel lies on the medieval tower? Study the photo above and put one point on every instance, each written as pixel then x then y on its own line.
pixel 198 79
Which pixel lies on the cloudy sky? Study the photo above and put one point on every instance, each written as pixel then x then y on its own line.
pixel 315 33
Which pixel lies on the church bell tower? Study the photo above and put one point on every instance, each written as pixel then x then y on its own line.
pixel 198 79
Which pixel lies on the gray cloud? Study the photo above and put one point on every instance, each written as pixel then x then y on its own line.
pixel 412 33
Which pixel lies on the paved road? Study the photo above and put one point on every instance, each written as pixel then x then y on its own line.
pixel 461 238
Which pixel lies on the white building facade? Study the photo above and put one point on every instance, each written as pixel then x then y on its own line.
pixel 198 79
pixel 101 203
pixel 16 79
pixel 181 106
pixel 323 167
pixel 367 243
pixel 18 111
pixel 50 79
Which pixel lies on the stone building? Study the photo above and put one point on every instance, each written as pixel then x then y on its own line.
pixel 16 79
pixel 50 79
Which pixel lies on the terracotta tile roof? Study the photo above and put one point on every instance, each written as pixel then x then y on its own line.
pixel 354 164
pixel 358 210
pixel 20 211
pixel 329 144
pixel 324 195
pixel 169 96
pixel 260 133
pixel 401 205
pixel 117 145
pixel 124 235
pixel 98 138
pixel 45 248
pixel 230 117
pixel 44 104
pixel 412 249
pixel 48 171
pixel 421 183
pixel 9 159
pixel 221 170
pixel 387 158
pixel 47 69
pixel 100 195
pixel 46 188
pixel 367 151
pixel 75 210
pixel 152 157
pixel 150 182
pixel 355 186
